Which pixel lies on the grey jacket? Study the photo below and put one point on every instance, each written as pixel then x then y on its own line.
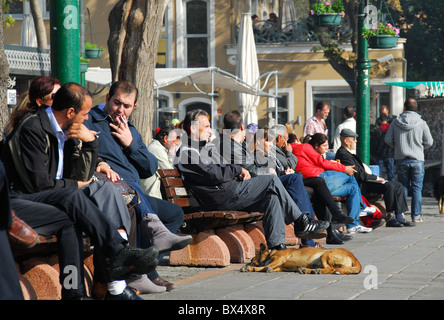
pixel 409 135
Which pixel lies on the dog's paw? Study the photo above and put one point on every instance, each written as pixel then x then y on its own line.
pixel 245 268
pixel 268 269
pixel 316 271
pixel 301 270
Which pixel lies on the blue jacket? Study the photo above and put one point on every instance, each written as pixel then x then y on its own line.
pixel 132 163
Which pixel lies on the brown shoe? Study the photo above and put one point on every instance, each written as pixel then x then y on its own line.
pixel 21 235
pixel 161 282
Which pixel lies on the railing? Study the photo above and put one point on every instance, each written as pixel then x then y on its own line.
pixel 28 61
pixel 272 32
pixel 294 31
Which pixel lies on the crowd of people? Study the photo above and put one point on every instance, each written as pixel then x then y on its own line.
pixel 55 141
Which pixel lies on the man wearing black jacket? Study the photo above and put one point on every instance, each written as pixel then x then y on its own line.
pixel 394 196
pixel 36 175
pixel 221 186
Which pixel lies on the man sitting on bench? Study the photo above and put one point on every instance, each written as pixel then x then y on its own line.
pixel 220 186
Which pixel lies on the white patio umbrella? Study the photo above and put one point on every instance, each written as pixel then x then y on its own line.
pixel 28 37
pixel 287 13
pixel 247 69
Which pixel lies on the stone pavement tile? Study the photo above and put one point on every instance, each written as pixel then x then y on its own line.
pixel 385 293
pixel 288 287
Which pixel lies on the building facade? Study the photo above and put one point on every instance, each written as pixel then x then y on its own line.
pixel 203 33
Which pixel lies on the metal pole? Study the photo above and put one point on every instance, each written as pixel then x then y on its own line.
pixel 65 50
pixel 363 67
pixel 82 37
pixel 276 96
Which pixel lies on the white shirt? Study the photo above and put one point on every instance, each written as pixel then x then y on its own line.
pixel 61 138
pixel 349 123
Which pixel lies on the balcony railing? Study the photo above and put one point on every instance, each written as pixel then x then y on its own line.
pixel 28 61
pixel 294 31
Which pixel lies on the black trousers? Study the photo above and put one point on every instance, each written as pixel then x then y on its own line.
pixel 9 282
pixel 67 213
pixel 394 195
pixel 322 199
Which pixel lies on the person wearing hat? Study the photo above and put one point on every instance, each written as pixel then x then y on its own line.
pixel 348 123
pixel 394 195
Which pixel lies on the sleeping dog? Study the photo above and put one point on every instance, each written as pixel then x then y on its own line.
pixel 305 260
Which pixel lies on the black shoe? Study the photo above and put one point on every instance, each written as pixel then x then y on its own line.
pixel 393 223
pixel 281 246
pixel 340 235
pixel 131 260
pixel 406 223
pixel 341 219
pixel 332 238
pixel 127 294
pixel 305 228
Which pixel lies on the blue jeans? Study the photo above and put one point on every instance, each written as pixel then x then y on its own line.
pixel 411 175
pixel 388 163
pixel 341 184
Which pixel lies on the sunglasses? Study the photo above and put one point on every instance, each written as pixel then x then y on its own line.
pixel 49 96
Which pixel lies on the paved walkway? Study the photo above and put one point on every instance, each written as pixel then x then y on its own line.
pixel 398 264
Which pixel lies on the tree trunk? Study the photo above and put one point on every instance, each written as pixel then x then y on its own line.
pixel 39 24
pixel 135 29
pixel 331 49
pixel 4 77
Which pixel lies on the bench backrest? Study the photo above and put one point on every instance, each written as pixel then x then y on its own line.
pixel 173 188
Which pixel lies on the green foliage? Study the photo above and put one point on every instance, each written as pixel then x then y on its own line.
pixel 327 7
pixel 84 60
pixel 424 31
pixel 8 21
pixel 89 45
pixel 381 29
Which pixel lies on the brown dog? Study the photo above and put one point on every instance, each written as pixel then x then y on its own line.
pixel 305 260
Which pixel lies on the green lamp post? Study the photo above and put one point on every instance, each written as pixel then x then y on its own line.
pixel 363 67
pixel 65 51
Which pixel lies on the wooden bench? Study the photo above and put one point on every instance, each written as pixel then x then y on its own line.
pixel 240 231
pixel 196 220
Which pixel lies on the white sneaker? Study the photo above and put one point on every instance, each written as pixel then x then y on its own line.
pixel 358 229
pixel 417 218
pixel 367 211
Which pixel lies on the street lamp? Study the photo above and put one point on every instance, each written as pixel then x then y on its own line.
pixel 65 51
pixel 363 67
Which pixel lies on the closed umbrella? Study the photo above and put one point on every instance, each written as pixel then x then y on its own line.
pixel 287 14
pixel 247 69
pixel 28 37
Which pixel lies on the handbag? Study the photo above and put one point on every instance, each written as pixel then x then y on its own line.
pixel 128 193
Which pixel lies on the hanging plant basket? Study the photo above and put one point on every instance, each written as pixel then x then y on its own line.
pixel 84 66
pixel 93 53
pixel 327 19
pixel 382 41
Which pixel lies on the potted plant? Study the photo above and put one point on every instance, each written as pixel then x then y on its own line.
pixel 381 36
pixel 84 63
pixel 327 14
pixel 92 51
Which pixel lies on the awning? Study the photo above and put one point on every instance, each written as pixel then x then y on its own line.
pixel 427 88
pixel 412 84
pixel 195 76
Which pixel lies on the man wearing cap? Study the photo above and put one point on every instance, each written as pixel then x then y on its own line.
pixel 394 196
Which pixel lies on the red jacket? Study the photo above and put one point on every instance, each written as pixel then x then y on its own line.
pixel 311 164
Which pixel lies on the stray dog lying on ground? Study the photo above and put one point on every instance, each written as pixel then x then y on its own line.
pixel 438 192
pixel 305 260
